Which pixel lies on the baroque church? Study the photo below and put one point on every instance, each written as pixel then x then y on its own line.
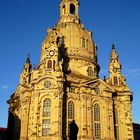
pixel 65 87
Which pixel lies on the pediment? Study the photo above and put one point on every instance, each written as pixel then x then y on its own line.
pixel 99 83
pixel 46 82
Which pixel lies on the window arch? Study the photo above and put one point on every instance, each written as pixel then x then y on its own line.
pixel 97 123
pixel 72 9
pixel 90 71
pixel 46 117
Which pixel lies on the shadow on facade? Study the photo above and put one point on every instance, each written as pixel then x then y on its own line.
pixel 13 131
pixel 64 59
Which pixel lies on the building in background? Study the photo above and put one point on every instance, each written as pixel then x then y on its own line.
pixel 65 86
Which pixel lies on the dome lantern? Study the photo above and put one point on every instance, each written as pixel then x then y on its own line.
pixel 69 11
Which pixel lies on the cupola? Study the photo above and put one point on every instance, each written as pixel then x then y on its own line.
pixel 69 11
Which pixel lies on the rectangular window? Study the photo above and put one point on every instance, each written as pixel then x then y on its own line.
pixel 97 131
pixel 87 43
pixel 72 89
pixel 116 124
pixel 46 127
pixel 117 132
pixel 46 112
pixel 69 127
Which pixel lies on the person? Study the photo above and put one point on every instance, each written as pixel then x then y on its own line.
pixel 73 131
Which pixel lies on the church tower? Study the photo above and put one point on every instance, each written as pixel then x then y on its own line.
pixel 115 69
pixel 122 99
pixel 65 87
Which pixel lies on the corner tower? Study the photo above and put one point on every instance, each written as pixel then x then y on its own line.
pixel 122 99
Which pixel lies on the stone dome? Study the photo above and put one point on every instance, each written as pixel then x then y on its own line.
pixel 78 42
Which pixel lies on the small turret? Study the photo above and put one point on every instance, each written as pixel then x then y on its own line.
pixel 27 65
pixel 114 66
pixel 26 73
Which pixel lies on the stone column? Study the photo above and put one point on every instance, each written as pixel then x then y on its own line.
pixel 83 117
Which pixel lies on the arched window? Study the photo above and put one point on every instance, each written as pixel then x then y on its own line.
pixel 46 108
pixel 49 64
pixel 90 71
pixel 46 117
pixel 72 9
pixel 96 120
pixel 71 110
pixel 83 42
pixel 63 10
pixel 115 80
pixel 116 124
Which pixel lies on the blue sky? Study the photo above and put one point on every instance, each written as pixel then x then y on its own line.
pixel 23 27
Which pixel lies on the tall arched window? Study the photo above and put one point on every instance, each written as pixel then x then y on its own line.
pixel 71 110
pixel 97 123
pixel 70 114
pixel 72 9
pixel 86 43
pixel 49 64
pixel 46 117
pixel 83 42
pixel 115 80
pixel 63 10
pixel 90 71
pixel 116 124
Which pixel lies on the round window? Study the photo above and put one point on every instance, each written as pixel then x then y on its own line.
pixel 47 84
